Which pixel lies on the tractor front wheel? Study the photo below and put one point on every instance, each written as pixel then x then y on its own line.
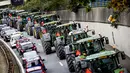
pixel 47 47
pixel 78 68
pixel 69 60
pixel 60 52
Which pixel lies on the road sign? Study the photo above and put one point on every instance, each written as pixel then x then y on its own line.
pixel 17 2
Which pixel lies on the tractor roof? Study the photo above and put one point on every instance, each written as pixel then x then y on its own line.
pixel 19 11
pixel 73 32
pixel 100 55
pixel 86 39
pixel 47 15
pixel 53 22
pixel 42 16
pixel 23 13
pixel 66 24
pixel 33 13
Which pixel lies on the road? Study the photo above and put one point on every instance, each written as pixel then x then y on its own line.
pixel 53 64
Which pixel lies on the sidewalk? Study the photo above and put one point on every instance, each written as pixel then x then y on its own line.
pixel 125 63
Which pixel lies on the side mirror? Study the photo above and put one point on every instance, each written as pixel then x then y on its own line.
pixel 93 32
pixel 123 56
pixel 79 25
pixel 106 40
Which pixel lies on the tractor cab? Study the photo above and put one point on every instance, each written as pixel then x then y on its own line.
pixel 32 63
pixel 76 35
pixel 83 48
pixel 89 45
pixel 13 17
pixel 21 20
pixel 102 62
pixel 62 31
pixel 30 22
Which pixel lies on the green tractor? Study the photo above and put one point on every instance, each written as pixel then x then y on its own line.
pixel 5 16
pixel 102 62
pixel 21 20
pixel 48 37
pixel 30 24
pixel 13 17
pixel 88 46
pixel 41 21
pixel 62 39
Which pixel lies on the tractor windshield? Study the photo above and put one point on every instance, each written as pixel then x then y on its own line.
pixel 94 47
pixel 106 65
pixel 53 18
pixel 77 37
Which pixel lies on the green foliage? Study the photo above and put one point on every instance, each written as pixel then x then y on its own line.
pixel 50 5
pixel 118 6
pixel 43 4
pixel 74 5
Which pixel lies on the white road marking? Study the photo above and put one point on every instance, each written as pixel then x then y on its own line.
pixel 60 63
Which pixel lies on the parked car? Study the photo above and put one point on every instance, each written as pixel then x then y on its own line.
pixel 33 63
pixel 25 47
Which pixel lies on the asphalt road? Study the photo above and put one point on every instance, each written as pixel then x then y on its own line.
pixel 52 63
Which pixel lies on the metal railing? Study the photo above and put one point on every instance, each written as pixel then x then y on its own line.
pixel 20 67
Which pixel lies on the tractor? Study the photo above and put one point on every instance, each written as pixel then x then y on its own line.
pixel 102 62
pixel 13 17
pixel 62 32
pixel 87 46
pixel 41 21
pixel 5 16
pixel 21 20
pixel 29 25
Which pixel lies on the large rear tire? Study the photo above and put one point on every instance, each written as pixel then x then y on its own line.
pixel 60 52
pixel 30 32
pixel 19 27
pixel 47 47
pixel 78 68
pixel 36 34
pixel 69 60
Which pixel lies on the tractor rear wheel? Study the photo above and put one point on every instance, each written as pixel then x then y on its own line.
pixel 78 68
pixel 30 32
pixel 69 60
pixel 47 47
pixel 19 27
pixel 60 52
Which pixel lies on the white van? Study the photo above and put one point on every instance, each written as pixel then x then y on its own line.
pixel 14 38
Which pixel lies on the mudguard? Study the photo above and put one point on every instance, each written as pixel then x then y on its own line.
pixel 46 37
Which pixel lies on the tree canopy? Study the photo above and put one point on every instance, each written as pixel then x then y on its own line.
pixel 72 5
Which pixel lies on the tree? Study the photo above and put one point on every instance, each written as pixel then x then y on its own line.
pixel 118 6
pixel 74 5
